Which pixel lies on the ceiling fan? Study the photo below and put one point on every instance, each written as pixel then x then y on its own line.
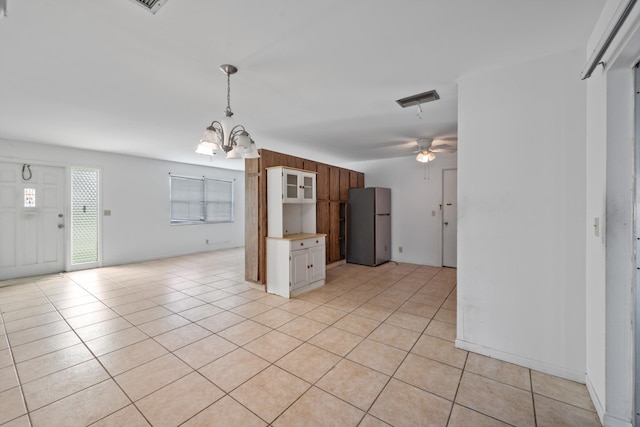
pixel 427 149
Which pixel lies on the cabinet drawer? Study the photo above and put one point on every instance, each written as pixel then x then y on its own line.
pixel 307 243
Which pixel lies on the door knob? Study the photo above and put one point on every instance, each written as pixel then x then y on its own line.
pixel 60 225
pixel 446 223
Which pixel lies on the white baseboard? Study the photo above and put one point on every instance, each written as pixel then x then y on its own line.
pixel 558 371
pixel 610 421
pixel 595 399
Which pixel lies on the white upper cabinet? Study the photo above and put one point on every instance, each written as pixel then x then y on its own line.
pixel 291 202
pixel 298 186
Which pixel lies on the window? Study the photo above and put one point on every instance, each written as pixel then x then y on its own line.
pixel 200 200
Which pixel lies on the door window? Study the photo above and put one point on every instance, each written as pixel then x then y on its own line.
pixel 84 215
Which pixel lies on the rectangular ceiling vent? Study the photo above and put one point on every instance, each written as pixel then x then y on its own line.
pixel 151 5
pixel 420 98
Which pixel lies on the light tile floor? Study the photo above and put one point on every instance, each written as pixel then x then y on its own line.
pixel 187 341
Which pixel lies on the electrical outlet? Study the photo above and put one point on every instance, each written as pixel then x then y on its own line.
pixel 433 213
pixel 206 241
pixel 107 212
pixel 400 249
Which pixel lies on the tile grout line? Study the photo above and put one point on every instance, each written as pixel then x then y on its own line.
pixel 317 305
pixel 15 370
pixel 304 342
pixel 110 377
pixel 366 412
pixel 172 352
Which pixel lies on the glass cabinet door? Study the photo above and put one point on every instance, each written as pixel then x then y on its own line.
pixel 291 186
pixel 298 187
pixel 308 187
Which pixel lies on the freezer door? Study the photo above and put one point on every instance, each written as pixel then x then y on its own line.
pixel 383 200
pixel 383 238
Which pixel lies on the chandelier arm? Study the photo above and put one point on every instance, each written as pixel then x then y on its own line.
pixel 236 130
pixel 218 127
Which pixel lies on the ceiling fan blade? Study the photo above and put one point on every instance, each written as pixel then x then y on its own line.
pixel 444 148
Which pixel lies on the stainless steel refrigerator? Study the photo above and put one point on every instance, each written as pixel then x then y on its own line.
pixel 369 226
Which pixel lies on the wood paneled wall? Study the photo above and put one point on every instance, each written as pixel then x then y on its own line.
pixel 332 191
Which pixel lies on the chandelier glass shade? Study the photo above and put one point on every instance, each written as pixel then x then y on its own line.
pixel 425 156
pixel 225 135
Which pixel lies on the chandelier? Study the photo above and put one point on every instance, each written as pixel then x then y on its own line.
pixel 225 135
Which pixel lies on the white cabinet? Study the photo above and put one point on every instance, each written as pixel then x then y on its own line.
pixel 295 265
pixel 295 252
pixel 297 213
pixel 297 186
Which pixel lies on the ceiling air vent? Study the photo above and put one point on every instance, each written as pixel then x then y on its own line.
pixel 413 100
pixel 151 5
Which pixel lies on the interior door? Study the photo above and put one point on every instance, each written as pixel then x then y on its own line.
pixel 31 220
pixel 450 217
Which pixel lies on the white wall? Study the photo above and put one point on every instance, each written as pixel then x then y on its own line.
pixel 136 190
pixel 521 222
pixel 416 191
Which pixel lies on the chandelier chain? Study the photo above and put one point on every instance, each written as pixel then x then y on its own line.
pixel 228 92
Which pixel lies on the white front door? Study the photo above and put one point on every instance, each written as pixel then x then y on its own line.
pixel 450 217
pixel 31 220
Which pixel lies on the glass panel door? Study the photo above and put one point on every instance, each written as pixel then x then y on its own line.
pixel 84 216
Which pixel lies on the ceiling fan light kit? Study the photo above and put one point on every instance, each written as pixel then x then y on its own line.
pixel 427 151
pixel 425 156
pixel 225 135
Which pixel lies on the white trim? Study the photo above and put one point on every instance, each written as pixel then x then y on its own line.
pixel 441 213
pixel 610 421
pixel 594 398
pixel 577 376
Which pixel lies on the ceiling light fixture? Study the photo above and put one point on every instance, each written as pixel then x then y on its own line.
pixel 427 150
pixel 425 156
pixel 225 135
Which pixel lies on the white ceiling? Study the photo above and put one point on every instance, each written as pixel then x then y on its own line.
pixel 317 78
